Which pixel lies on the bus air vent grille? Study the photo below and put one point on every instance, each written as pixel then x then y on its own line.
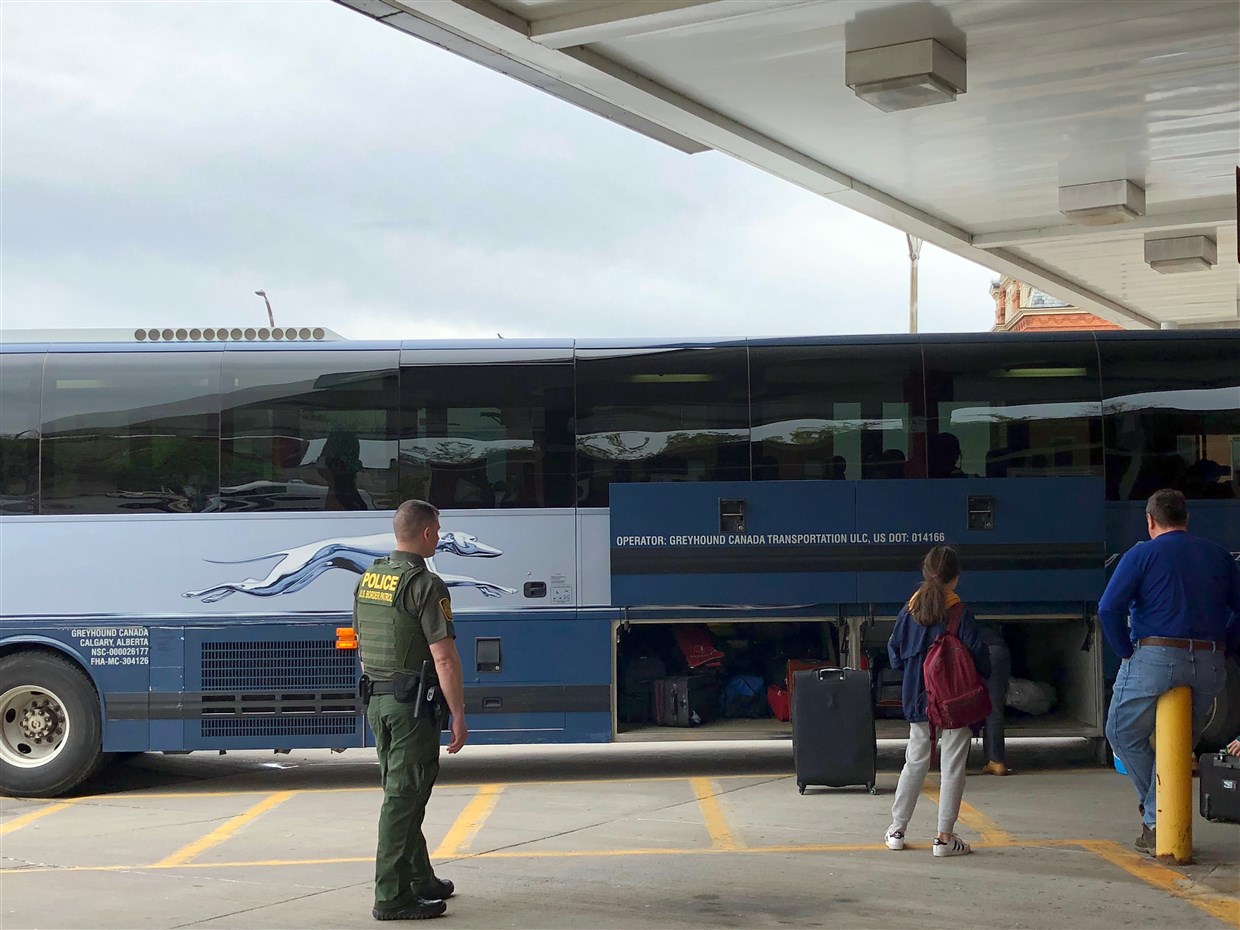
pixel 280 726
pixel 302 664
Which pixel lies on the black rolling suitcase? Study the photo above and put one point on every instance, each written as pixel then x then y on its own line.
pixel 833 741
pixel 1219 784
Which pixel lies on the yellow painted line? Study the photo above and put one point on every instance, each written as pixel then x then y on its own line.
pixel 222 832
pixel 1223 907
pixel 502 854
pixel 992 834
pixel 469 822
pixel 712 812
pixel 10 826
pixel 441 787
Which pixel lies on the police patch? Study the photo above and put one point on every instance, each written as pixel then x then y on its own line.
pixel 445 605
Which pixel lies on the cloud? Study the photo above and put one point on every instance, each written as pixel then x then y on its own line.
pixel 163 161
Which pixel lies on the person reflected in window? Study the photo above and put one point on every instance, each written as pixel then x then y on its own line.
pixel 944 456
pixel 339 464
pixel 837 468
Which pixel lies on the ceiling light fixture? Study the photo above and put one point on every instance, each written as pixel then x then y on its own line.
pixel 1183 253
pixel 904 76
pixel 1102 203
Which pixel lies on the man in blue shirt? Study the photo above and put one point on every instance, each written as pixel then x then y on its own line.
pixel 1181 595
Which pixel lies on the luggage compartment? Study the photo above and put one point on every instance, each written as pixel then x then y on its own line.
pixel 721 673
pixel 1062 653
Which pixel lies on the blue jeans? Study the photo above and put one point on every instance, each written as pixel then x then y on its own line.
pixel 993 742
pixel 1153 671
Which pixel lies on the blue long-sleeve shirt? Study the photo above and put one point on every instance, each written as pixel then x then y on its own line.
pixel 1174 585
pixel 907 648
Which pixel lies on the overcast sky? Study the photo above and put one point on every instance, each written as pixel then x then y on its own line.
pixel 163 160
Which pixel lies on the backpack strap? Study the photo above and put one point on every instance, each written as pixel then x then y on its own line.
pixel 953 618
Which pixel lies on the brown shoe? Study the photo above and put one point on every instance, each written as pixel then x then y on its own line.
pixel 994 768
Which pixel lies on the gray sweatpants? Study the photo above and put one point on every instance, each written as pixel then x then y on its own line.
pixel 954 753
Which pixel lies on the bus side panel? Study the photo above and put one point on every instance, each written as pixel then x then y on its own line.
pixel 167 678
pixel 115 657
pixel 218 566
pixel 1024 538
pixel 544 680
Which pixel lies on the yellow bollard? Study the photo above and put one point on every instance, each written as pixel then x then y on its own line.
pixel 1173 748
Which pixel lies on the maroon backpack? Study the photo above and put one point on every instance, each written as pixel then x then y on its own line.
pixel 956 695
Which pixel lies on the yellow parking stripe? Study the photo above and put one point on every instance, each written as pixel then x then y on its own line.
pixel 17 823
pixel 223 832
pixel 441 787
pixel 1223 907
pixel 469 822
pixel 992 834
pixel 712 812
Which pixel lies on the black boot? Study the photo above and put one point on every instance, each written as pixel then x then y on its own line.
pixel 420 909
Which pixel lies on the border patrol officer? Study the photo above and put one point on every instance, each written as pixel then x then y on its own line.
pixel 403 617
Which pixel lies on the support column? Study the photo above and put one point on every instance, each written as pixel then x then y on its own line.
pixel 1173 769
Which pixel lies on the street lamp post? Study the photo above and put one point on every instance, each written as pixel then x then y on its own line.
pixel 271 318
pixel 914 253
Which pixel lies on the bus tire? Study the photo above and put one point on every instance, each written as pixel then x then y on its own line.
pixel 1223 724
pixel 50 731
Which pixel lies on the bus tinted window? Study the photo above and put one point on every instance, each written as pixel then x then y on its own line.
pixel 311 430
pixel 21 378
pixel 1172 415
pixel 1013 409
pixel 130 432
pixel 660 415
pixel 492 433
pixel 837 412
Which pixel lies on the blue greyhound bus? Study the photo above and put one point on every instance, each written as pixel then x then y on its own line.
pixel 184 520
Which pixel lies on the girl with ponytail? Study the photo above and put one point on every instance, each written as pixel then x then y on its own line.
pixel 921 621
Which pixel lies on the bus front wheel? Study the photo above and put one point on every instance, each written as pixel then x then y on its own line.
pixel 50 732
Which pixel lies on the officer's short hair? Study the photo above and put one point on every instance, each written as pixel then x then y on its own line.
pixel 412 517
pixel 1168 508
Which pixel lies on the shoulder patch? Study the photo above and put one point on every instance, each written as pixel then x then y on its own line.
pixel 445 605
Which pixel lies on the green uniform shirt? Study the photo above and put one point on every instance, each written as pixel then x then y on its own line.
pixel 400 607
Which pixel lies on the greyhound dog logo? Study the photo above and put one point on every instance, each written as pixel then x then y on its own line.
pixel 299 566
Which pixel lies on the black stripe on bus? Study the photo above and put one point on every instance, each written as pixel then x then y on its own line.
pixel 696 560
pixel 479 699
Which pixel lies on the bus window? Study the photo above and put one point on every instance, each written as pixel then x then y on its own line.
pixel 309 430
pixel 1172 417
pixel 1026 408
pixel 837 412
pixel 130 432
pixel 660 414
pixel 486 429
pixel 21 378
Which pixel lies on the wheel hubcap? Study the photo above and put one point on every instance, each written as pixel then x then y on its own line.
pixel 33 726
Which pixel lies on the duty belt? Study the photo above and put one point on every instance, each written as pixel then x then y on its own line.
pixel 382 687
pixel 1193 645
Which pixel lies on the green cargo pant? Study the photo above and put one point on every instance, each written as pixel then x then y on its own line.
pixel 408 766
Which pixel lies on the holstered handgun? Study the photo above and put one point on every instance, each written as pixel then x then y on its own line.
pixel 430 703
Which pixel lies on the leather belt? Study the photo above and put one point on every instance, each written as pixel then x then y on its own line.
pixel 1199 645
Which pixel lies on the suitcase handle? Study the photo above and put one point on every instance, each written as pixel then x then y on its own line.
pixel 823 673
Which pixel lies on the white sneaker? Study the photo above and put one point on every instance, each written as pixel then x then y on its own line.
pixel 953 847
pixel 894 839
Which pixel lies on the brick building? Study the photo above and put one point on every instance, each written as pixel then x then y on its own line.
pixel 1020 308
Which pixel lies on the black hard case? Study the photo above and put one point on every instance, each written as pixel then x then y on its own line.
pixel 833 741
pixel 1219 785
pixel 687 700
